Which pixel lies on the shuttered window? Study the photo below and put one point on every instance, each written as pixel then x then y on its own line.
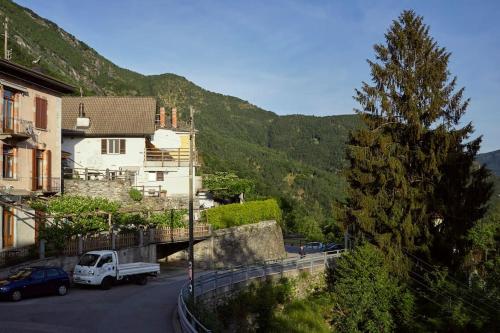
pixel 104 146
pixel 41 113
pixel 159 176
pixel 113 146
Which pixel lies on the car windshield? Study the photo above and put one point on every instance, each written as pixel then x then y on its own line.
pixel 88 259
pixel 21 274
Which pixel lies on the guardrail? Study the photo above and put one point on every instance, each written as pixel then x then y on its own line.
pixel 227 278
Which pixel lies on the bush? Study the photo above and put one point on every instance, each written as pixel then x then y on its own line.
pixel 240 214
pixel 135 194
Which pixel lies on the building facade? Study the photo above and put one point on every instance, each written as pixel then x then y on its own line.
pixel 119 138
pixel 30 142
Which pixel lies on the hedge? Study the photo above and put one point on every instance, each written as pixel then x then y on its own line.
pixel 239 214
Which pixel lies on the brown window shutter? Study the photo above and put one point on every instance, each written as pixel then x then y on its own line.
pixel 33 169
pixel 1 157
pixel 104 146
pixel 44 114
pixel 122 146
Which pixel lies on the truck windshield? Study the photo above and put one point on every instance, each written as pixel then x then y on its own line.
pixel 88 259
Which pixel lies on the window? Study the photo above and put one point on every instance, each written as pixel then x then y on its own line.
pixel 41 113
pixel 38 275
pixel 8 111
pixel 105 259
pixel 159 176
pixel 8 162
pixel 52 273
pixel 39 170
pixel 113 146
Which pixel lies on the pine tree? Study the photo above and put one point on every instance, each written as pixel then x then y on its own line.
pixel 410 161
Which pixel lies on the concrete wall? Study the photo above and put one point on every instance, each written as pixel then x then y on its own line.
pixel 133 254
pixel 238 246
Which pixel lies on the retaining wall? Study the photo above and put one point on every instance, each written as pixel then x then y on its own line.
pixel 240 245
pixel 117 190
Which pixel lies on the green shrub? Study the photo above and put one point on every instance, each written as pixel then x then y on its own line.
pixel 135 194
pixel 240 214
pixel 173 218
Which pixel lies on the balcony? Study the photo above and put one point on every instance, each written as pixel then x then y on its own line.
pixel 168 157
pixel 24 186
pixel 15 128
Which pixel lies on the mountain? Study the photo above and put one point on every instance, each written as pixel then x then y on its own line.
pixel 295 158
pixel 491 160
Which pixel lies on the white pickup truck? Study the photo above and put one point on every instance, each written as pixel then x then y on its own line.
pixel 101 268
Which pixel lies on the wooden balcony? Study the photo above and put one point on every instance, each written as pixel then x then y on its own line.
pixel 15 129
pixel 169 157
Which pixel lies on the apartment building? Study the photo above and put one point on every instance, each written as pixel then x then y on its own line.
pixel 30 145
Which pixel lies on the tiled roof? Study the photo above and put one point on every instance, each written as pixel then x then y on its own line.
pixel 110 115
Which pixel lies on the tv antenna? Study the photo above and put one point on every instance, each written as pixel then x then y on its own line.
pixel 7 52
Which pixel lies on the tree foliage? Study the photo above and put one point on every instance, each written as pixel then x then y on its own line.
pixel 226 185
pixel 411 163
pixel 366 298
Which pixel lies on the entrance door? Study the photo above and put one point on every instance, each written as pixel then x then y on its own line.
pixel 7 228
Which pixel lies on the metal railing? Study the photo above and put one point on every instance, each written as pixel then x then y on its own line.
pixel 227 278
pixel 30 184
pixel 16 126
pixel 98 174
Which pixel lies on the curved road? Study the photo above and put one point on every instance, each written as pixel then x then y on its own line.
pixel 124 308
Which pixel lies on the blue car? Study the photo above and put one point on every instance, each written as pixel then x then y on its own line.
pixel 35 281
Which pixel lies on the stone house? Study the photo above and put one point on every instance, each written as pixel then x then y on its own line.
pixel 121 138
pixel 30 142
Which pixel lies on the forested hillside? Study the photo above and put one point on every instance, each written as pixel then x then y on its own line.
pixel 492 161
pixel 294 158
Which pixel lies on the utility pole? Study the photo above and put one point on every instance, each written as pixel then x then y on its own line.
pixel 191 217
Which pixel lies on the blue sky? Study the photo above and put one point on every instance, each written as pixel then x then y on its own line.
pixel 285 56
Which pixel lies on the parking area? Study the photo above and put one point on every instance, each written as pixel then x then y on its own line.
pixel 124 308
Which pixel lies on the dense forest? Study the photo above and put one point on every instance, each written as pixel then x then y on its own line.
pixel 296 159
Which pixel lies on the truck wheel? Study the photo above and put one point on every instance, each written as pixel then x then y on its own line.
pixel 107 283
pixel 16 296
pixel 141 280
pixel 62 290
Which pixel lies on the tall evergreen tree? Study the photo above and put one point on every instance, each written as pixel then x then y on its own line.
pixel 410 165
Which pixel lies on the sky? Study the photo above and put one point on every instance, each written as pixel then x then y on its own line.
pixel 286 56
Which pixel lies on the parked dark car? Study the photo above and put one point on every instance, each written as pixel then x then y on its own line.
pixel 332 247
pixel 35 281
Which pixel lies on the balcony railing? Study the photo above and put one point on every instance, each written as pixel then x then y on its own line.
pixel 168 157
pixel 11 127
pixel 29 184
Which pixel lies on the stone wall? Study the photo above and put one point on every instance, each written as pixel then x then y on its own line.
pixel 239 246
pixel 117 190
pixel 129 255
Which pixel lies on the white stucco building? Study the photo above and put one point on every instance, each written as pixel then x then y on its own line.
pixel 113 137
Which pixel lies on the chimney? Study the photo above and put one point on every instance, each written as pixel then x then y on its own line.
pixel 162 117
pixel 174 117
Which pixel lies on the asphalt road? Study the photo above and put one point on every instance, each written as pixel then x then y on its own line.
pixel 124 308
